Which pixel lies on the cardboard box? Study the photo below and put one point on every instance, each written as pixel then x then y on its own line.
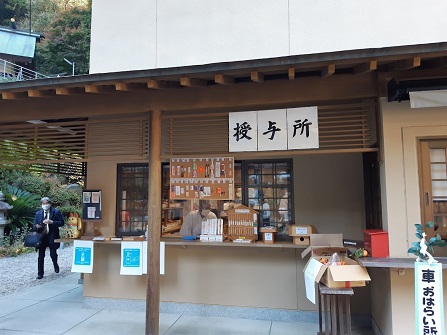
pixel 300 230
pixel 301 240
pixel 376 242
pixel 335 276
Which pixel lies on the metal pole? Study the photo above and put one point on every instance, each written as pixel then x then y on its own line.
pixel 30 16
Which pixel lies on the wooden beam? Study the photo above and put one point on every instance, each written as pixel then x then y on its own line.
pixel 404 64
pixel 69 90
pixel 162 84
pixel 154 228
pixel 328 70
pixel 291 73
pixel 14 95
pixel 223 79
pixel 192 82
pixel 257 76
pixel 128 87
pixel 365 67
pixel 436 62
pixel 99 88
pixel 41 93
pixel 270 94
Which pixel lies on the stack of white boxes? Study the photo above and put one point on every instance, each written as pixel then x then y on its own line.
pixel 212 230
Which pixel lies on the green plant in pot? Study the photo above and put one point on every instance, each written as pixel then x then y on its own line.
pixel 423 249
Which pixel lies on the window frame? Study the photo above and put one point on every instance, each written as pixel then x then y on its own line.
pixel 119 199
pixel 245 185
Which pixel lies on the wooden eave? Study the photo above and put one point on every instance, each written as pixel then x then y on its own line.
pixel 262 83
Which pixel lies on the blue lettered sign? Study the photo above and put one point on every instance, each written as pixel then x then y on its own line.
pixel 131 258
pixel 82 257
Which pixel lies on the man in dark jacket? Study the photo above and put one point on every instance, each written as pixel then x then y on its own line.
pixel 47 221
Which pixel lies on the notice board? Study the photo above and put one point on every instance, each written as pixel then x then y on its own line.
pixel 91 205
pixel 207 178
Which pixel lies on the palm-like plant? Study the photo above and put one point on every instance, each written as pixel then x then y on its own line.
pixel 25 204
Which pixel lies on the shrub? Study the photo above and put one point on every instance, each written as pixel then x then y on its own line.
pixel 21 216
pixel 15 247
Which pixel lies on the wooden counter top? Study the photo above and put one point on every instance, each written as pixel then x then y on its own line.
pixel 396 263
pixel 186 243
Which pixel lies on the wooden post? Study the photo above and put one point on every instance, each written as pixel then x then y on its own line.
pixel 154 229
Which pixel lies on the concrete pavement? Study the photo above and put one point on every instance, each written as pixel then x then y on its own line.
pixel 57 308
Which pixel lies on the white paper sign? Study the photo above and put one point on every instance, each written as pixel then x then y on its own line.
pixel 131 258
pixel 82 257
pixel 162 257
pixel 272 130
pixel 310 275
pixel 429 301
pixel 243 131
pixel 302 125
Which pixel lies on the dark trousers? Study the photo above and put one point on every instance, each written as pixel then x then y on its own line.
pixel 53 254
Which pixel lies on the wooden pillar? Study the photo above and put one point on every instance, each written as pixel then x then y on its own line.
pixel 154 230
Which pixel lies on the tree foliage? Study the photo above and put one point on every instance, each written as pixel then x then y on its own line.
pixel 68 37
pixel 17 9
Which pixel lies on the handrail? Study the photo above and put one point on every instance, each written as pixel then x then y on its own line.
pixel 13 72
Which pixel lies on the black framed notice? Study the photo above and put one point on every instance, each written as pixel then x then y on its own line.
pixel 91 205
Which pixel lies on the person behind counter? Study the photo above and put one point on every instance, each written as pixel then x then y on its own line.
pixel 192 225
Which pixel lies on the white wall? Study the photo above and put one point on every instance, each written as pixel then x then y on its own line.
pixel 144 34
pixel 402 127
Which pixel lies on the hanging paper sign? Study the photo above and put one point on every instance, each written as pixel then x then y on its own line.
pixel 162 257
pixel 82 257
pixel 131 258
pixel 429 302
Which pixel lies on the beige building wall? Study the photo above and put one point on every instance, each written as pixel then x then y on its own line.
pixel 402 127
pixel 148 34
pixel 240 276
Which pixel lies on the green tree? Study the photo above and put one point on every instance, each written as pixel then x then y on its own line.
pixel 17 9
pixel 68 37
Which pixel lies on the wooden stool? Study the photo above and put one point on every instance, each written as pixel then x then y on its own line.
pixel 336 308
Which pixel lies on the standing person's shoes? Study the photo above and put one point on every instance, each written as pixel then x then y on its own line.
pixel 56 268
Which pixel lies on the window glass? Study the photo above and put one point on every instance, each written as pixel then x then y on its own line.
pixel 269 192
pixel 132 199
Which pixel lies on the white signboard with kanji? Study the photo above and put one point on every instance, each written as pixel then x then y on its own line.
pixel 429 299
pixel 243 131
pixel 276 129
pixel 272 130
pixel 302 126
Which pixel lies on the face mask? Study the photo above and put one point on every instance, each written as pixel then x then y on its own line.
pixel 205 212
pixel 46 207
